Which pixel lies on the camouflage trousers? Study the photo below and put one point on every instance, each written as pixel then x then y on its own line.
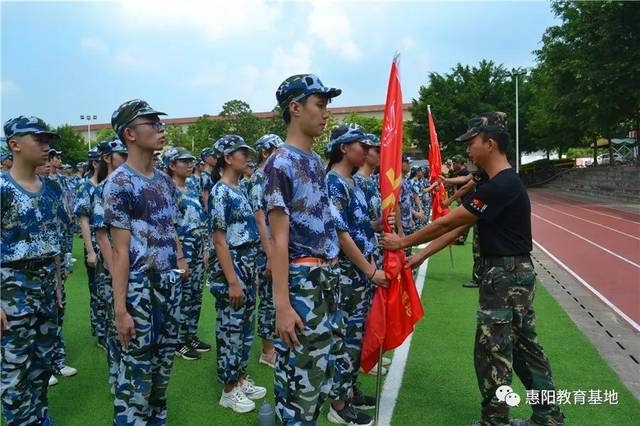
pixel 59 355
pixel 28 299
pixel 96 303
pixel 476 274
pixel 105 294
pixel 355 301
pixel 234 327
pixel 304 374
pixel 193 250
pixel 506 341
pixel 266 308
pixel 153 300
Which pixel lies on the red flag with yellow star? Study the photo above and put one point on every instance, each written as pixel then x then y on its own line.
pixel 395 310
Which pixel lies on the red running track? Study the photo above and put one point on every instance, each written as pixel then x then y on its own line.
pixel 599 244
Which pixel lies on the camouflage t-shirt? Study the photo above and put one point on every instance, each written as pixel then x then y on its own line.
pixel 256 191
pixel 98 207
pixel 84 201
pixel 231 212
pixel 369 186
pixel 193 184
pixel 146 207
pixel 350 211
pixel 406 193
pixel 206 181
pixel 191 221
pixel 295 182
pixel 33 223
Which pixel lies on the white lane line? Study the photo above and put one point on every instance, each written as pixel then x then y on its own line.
pixel 631 262
pixel 589 210
pixel 393 381
pixel 589 221
pixel 606 301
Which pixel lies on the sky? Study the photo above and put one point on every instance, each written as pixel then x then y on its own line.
pixel 187 58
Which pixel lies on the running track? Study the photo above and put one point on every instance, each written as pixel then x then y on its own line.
pixel 599 244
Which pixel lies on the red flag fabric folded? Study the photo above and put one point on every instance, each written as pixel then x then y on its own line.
pixel 435 170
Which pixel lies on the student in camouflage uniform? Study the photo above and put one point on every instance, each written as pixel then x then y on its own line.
pixel 233 276
pixel 192 231
pixel 265 146
pixel 113 154
pixel 347 150
pixel 305 245
pixel 416 181
pixel 33 223
pixel 83 210
pixel 506 338
pixel 407 200
pixel 209 159
pixel 140 212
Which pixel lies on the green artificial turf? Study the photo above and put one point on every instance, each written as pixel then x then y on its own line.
pixel 439 384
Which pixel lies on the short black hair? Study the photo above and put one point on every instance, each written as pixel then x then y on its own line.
pixel 286 115
pixel 501 138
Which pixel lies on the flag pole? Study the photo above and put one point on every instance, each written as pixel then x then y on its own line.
pixel 378 385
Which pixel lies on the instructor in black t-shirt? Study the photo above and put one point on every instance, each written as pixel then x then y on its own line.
pixel 506 338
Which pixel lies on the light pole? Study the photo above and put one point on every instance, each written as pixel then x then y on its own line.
pixel 515 73
pixel 89 117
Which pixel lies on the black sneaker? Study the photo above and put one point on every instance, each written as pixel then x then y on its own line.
pixel 199 345
pixel 362 401
pixel 349 416
pixel 188 353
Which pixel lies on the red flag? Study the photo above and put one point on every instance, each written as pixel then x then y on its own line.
pixel 395 310
pixel 435 170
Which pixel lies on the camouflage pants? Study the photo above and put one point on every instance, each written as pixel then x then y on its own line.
pixel 59 355
pixel 304 374
pixel 476 274
pixel 266 309
pixel 28 300
pixel 354 304
pixel 105 293
pixel 192 287
pixel 506 340
pixel 153 300
pixel 234 327
pixel 96 303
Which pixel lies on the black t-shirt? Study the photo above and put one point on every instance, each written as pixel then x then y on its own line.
pixel 504 211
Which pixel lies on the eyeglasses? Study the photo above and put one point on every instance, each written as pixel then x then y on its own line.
pixel 158 126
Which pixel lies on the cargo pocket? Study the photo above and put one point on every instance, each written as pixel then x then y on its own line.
pixel 494 329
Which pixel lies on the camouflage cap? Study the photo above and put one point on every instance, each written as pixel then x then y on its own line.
pixel 372 140
pixel 228 144
pixel 458 158
pixel 110 146
pixel 93 154
pixel 206 152
pixel 24 125
pixel 298 87
pixel 493 121
pixel 345 133
pixel 415 168
pixel 177 153
pixel 268 141
pixel 54 153
pixel 129 111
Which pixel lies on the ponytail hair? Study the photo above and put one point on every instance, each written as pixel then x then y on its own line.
pixel 336 156
pixel 216 173
pixel 102 171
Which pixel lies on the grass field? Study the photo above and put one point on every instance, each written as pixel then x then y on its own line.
pixel 439 385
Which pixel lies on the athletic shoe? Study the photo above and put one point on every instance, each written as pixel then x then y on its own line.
pixel 237 401
pixel 362 401
pixel 67 371
pixel 199 345
pixel 374 371
pixel 52 380
pixel 349 416
pixel 188 353
pixel 250 389
pixel 268 360
pixel 470 284
pixel 101 344
pixel 386 361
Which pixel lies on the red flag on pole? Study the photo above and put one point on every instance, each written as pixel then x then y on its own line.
pixel 395 310
pixel 435 170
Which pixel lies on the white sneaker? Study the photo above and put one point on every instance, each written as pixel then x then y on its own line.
pixel 67 371
pixel 386 361
pixel 374 371
pixel 237 401
pixel 252 391
pixel 52 380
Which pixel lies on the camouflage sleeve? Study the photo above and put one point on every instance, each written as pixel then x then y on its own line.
pixel 218 209
pixel 255 194
pixel 98 210
pixel 83 203
pixel 278 188
pixel 117 204
pixel 338 203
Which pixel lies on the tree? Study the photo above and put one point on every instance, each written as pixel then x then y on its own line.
pixel 593 63
pixel 177 136
pixel 104 134
pixel 205 132
pixel 72 145
pixel 239 120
